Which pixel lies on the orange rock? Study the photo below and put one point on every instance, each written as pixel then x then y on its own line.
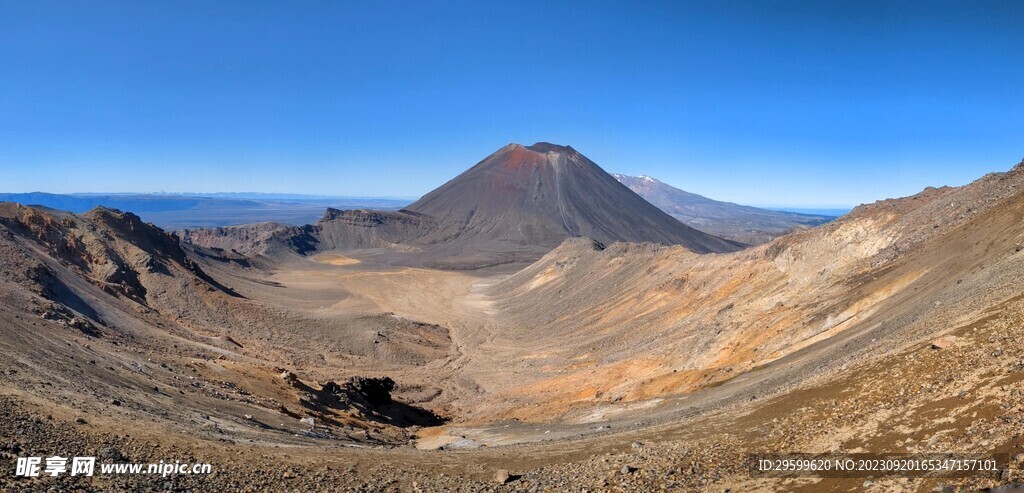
pixel 944 342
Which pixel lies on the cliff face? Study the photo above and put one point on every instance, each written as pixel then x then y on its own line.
pixel 112 249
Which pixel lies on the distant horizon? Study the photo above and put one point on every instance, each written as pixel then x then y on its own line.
pixel 793 101
pixel 240 194
pixel 311 197
pixel 794 207
pixel 836 209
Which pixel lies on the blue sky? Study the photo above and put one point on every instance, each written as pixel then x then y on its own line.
pixel 768 103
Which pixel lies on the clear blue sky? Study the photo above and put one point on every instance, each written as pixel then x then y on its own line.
pixel 761 102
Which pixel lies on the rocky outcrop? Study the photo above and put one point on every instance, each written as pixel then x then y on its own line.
pixel 115 250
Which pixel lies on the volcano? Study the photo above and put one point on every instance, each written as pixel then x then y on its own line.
pixel 512 208
pixel 742 223
pixel 528 199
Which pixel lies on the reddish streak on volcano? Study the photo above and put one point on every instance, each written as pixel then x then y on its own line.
pixel 520 156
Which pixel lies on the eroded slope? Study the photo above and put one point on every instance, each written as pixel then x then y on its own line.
pixel 627 322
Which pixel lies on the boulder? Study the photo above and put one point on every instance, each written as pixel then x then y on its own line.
pixel 375 390
pixel 289 377
pixel 944 342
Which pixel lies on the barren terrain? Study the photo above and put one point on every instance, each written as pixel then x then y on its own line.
pixel 619 366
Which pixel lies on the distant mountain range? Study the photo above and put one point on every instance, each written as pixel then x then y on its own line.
pixel 172 211
pixel 814 211
pixel 750 225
